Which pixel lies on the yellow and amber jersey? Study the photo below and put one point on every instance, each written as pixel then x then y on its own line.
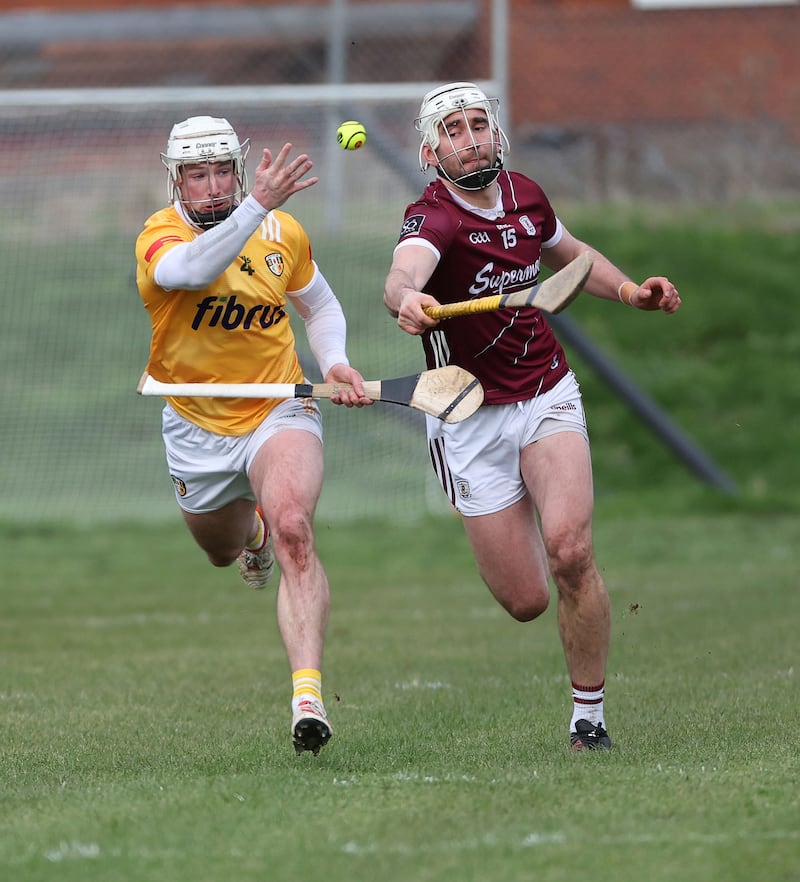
pixel 234 331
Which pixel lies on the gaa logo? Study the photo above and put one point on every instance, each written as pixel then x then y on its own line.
pixel 481 238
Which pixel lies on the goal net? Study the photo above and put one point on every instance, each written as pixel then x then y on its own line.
pixel 79 173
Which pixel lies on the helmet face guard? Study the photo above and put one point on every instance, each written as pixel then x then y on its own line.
pixel 204 140
pixel 441 103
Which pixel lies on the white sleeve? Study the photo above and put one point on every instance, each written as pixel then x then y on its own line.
pixel 326 326
pixel 195 265
pixel 556 237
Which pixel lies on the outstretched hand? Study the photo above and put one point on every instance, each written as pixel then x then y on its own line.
pixel 279 178
pixel 654 293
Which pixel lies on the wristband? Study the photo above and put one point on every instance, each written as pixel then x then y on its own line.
pixel 621 296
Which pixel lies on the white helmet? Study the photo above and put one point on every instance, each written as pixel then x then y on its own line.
pixel 438 104
pixel 204 139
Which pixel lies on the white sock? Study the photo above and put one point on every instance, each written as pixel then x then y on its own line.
pixel 587 704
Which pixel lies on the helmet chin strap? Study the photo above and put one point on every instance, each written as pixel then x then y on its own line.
pixel 207 219
pixel 477 180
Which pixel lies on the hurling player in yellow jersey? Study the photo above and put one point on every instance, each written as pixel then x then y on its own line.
pixel 215 270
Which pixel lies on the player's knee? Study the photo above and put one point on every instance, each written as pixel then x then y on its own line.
pixel 523 591
pixel 293 536
pixel 523 603
pixel 222 557
pixel 570 557
pixel 529 608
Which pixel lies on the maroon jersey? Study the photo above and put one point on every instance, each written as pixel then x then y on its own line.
pixel 513 352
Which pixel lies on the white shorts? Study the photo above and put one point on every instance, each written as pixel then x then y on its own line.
pixel 477 461
pixel 210 470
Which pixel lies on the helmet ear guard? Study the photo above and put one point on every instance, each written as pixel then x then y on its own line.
pixel 442 101
pixel 204 139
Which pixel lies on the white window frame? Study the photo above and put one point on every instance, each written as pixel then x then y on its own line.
pixel 707 4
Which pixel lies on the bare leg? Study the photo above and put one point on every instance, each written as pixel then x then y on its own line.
pixel 223 534
pixel 287 478
pixel 558 472
pixel 511 558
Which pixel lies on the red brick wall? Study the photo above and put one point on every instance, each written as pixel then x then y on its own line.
pixel 589 62
pixel 84 5
pixel 593 62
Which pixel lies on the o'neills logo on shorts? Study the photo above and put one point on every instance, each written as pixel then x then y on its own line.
pixel 180 487
pixel 569 405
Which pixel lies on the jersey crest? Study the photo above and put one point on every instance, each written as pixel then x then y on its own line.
pixel 274 262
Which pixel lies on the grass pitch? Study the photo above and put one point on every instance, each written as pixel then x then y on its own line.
pixel 144 713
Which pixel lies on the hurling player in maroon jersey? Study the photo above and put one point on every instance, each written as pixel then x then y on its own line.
pixel 523 459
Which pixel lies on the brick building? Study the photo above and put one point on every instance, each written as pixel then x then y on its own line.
pixel 601 61
pixel 642 96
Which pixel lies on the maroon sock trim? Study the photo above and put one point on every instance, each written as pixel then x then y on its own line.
pixel 577 688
